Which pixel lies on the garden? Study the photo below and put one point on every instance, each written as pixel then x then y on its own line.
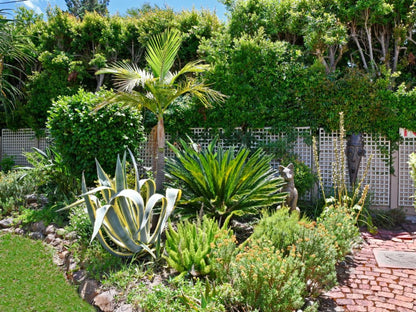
pixel 204 228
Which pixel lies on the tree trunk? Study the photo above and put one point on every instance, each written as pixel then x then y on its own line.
pixel 160 155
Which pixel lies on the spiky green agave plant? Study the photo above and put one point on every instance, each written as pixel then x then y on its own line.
pixel 126 218
pixel 225 182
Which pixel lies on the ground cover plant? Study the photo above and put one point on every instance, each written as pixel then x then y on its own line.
pixel 30 281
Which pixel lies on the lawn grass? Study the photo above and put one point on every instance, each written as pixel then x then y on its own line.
pixel 30 281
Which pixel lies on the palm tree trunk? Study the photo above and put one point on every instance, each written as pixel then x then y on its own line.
pixel 160 158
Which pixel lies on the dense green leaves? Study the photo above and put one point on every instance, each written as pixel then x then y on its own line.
pixel 80 135
pixel 222 183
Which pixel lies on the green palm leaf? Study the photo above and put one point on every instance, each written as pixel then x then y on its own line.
pixel 161 52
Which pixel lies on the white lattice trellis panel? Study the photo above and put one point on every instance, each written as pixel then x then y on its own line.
pixel 406 185
pixel 379 172
pixel 378 175
pixel 15 143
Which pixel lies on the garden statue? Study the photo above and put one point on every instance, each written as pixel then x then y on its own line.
pixel 354 151
pixel 288 175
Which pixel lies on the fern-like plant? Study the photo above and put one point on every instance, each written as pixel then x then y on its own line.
pixel 224 182
pixel 124 224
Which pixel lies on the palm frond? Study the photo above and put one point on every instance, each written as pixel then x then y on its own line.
pixel 161 52
pixel 127 76
pixel 201 90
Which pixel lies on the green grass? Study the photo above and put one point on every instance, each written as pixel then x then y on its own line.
pixel 30 281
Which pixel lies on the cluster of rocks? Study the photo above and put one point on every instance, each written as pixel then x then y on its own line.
pixel 60 239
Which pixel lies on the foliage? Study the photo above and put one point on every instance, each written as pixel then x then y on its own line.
pixel 6 163
pixel 189 247
pixel 80 222
pixel 222 182
pixel 268 280
pixel 412 167
pixel 79 7
pixel 246 69
pixel 388 219
pixel 126 219
pixel 315 250
pixel 158 88
pixel 26 268
pixel 180 295
pixel 54 177
pixel 15 54
pixel 13 190
pixel 341 228
pixel 79 135
pixel 45 86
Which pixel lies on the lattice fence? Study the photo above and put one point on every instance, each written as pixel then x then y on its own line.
pixel 378 175
pixel 15 143
pixel 406 186
pixel 379 178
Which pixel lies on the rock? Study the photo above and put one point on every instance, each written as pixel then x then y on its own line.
pixel 19 231
pixel 71 236
pixel 105 300
pixel 6 223
pixel 36 235
pixel 9 230
pixel 60 258
pixel 72 265
pixel 60 232
pixel 125 308
pixel 38 227
pixel 49 238
pixel 79 276
pixel 56 242
pixel 88 290
pixel 50 229
pixel 31 199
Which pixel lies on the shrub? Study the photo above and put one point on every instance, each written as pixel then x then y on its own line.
pixel 188 248
pixel 314 247
pixel 340 224
pixel 14 188
pixel 225 182
pixel 6 163
pixel 267 279
pixel 54 177
pixel 180 296
pixel 80 135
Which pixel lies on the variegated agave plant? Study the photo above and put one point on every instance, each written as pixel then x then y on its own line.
pixel 126 218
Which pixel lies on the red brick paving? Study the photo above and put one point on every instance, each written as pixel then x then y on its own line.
pixel 370 288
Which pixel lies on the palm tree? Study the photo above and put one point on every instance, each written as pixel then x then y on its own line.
pixel 13 57
pixel 158 88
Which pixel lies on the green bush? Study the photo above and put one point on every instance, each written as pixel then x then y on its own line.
pixel 54 177
pixel 268 280
pixel 180 296
pixel 224 182
pixel 341 228
pixel 7 163
pixel 14 188
pixel 314 247
pixel 189 246
pixel 81 135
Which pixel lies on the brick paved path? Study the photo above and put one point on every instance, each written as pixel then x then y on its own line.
pixel 368 287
